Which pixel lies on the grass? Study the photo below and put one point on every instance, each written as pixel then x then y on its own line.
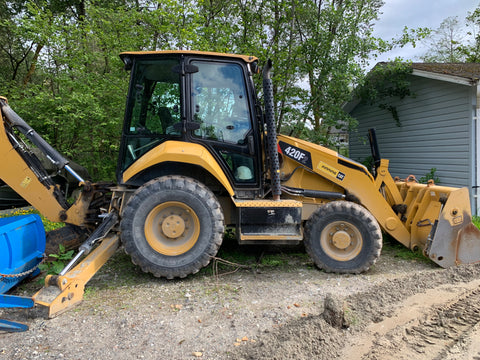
pixel 350 316
pixel 393 247
pixel 232 256
pixel 123 272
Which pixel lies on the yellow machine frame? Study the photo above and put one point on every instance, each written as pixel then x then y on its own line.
pixel 407 211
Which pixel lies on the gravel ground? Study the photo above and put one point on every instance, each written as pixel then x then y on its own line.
pixel 270 311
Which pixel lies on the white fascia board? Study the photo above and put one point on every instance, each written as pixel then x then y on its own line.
pixel 444 77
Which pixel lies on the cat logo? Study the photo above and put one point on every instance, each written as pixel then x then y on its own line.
pixel 327 169
pixel 340 176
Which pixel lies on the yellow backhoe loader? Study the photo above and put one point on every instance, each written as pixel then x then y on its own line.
pixel 199 154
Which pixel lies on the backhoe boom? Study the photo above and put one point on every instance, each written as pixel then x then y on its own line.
pixel 24 173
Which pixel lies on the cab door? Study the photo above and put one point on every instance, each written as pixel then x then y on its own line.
pixel 153 108
pixel 221 104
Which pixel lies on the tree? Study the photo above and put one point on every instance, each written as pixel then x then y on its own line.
pixel 59 61
pixel 456 41
pixel 385 82
pixel 335 42
pixel 471 50
pixel 74 95
pixel 445 42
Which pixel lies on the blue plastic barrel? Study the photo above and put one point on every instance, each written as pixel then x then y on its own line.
pixel 22 244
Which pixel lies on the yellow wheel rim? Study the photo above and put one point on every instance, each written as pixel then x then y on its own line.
pixel 172 228
pixel 341 241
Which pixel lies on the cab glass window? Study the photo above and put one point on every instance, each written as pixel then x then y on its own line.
pixel 156 94
pixel 220 103
pixel 154 107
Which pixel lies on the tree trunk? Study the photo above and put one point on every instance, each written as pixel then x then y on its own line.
pixel 33 65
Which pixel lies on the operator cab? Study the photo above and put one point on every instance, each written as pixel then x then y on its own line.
pixel 197 97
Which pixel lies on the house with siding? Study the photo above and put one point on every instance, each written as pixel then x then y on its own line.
pixel 439 127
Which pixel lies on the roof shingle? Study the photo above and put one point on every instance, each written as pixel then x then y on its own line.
pixel 469 71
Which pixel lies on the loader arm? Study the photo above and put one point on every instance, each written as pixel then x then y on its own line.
pixel 435 219
pixel 350 177
pixel 372 194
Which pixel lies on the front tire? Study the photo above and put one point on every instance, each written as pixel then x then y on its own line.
pixel 172 226
pixel 343 237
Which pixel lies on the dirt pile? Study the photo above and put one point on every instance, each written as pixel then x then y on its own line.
pixel 433 315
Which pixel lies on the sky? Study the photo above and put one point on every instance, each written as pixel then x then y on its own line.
pixel 396 14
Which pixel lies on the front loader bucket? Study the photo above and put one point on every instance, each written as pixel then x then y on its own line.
pixel 454 240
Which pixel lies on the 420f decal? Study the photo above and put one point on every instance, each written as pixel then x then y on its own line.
pixel 297 154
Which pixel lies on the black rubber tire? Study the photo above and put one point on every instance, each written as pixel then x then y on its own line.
pixel 190 194
pixel 70 236
pixel 343 237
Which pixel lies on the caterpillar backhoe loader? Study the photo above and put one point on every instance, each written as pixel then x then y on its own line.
pixel 199 154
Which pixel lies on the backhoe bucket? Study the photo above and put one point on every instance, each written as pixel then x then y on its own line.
pixel 454 239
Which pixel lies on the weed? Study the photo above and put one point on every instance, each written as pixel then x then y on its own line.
pixel 350 317
pixel 431 175
pixel 476 221
pixel 274 260
pixel 61 259
pixel 89 292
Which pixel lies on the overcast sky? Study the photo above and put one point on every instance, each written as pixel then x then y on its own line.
pixel 396 14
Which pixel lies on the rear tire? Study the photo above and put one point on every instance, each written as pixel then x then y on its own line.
pixel 172 226
pixel 343 237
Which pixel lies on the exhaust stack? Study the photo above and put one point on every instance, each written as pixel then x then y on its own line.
pixel 271 131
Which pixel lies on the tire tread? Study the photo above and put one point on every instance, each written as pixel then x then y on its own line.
pixel 365 217
pixel 172 182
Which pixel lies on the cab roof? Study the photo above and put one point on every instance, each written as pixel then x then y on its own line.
pixel 246 58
